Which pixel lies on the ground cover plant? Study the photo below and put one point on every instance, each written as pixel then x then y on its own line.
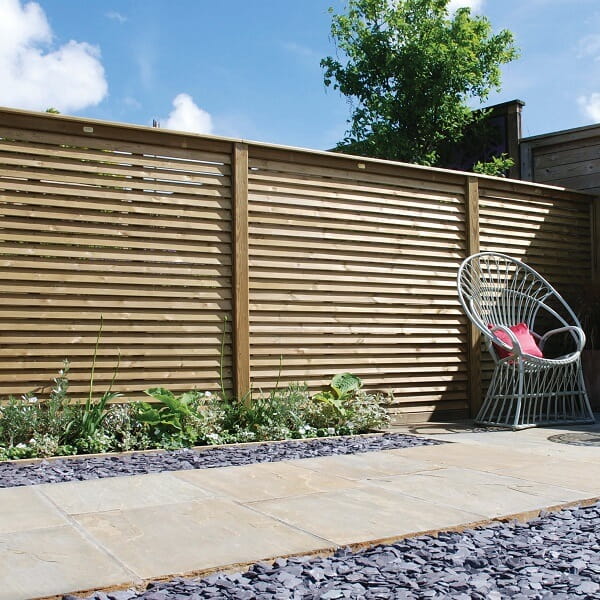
pixel 34 425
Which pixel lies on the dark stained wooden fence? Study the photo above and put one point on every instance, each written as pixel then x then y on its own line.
pixel 568 158
pixel 321 263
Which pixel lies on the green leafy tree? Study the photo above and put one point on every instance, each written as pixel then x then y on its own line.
pixel 410 68
pixel 497 166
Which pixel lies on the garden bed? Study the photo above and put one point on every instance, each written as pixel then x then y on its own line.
pixel 57 470
pixel 56 425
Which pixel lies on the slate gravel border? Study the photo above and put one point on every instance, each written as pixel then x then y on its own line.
pixel 15 474
pixel 556 556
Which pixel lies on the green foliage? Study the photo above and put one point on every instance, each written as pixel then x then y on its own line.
pixel 278 415
pixel 342 386
pixel 95 411
pixel 30 427
pixel 409 69
pixel 345 408
pixel 124 429
pixel 497 166
pixel 345 384
pixel 175 417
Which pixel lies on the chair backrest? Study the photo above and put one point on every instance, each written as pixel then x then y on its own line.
pixel 497 289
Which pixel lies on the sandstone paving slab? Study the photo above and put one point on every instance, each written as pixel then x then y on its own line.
pixel 580 475
pixel 363 513
pixel 534 441
pixel 534 446
pixel 119 493
pixel 488 494
pixel 23 509
pixel 263 481
pixel 481 458
pixel 364 466
pixel 54 560
pixel 178 538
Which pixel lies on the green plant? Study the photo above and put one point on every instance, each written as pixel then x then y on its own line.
pixel 18 418
pixel 27 420
pixel 345 408
pixel 177 418
pixel 277 415
pixel 410 70
pixel 123 427
pixel 95 411
pixel 497 166
pixel 342 387
pixel 58 418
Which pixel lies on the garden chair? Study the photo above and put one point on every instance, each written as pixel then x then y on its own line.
pixel 512 305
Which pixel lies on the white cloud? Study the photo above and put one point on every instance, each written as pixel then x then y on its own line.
pixel 300 50
pixel 68 78
pixel 132 102
pixel 589 46
pixel 116 16
pixel 187 116
pixel 474 5
pixel 590 106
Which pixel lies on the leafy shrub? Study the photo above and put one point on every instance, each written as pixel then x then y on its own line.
pixel 30 427
pixel 345 408
pixel 182 420
pixel 276 416
pixel 123 427
pixel 497 166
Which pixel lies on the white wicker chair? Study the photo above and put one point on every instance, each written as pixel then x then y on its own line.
pixel 498 291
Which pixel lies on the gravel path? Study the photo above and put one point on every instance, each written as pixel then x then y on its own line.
pixel 77 469
pixel 556 556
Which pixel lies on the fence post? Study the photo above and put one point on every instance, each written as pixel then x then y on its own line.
pixel 473 335
pixel 241 300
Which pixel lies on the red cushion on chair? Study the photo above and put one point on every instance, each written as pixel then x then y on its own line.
pixel 526 340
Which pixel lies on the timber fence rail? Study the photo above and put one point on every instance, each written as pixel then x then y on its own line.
pixel 321 263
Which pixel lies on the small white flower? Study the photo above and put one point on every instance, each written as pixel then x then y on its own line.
pixel 330 430
pixel 32 399
pixel 207 394
pixel 21 445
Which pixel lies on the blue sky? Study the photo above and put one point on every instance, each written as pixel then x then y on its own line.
pixel 251 69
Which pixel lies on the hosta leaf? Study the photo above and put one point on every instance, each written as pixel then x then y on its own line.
pixel 344 383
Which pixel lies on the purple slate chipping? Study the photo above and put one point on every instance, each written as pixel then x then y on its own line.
pixel 78 469
pixel 556 556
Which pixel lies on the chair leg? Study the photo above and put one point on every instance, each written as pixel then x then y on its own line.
pixel 522 395
pixel 518 419
pixel 587 407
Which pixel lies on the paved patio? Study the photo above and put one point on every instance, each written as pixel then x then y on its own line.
pixel 69 537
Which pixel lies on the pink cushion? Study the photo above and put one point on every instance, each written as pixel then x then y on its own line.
pixel 526 340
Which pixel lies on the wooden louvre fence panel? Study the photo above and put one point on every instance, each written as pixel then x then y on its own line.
pixel 129 224
pixel 352 268
pixel 547 228
pixel 321 263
